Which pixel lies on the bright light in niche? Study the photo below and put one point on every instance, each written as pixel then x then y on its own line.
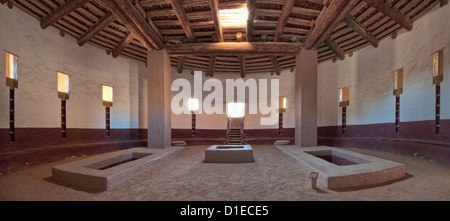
pixel 193 104
pixel 63 83
pixel 11 66
pixel 236 109
pixel 234 18
pixel 398 79
pixel 107 93
pixel 438 58
pixel 282 103
pixel 343 94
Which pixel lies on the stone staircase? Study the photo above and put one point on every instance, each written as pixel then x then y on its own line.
pixel 235 131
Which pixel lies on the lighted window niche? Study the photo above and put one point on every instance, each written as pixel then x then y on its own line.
pixel 282 104
pixel 344 96
pixel 236 110
pixel 398 82
pixel 63 86
pixel 193 104
pixel 234 18
pixel 107 96
pixel 12 70
pixel 438 66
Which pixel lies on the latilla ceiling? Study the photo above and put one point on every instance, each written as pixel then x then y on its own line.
pixel 190 29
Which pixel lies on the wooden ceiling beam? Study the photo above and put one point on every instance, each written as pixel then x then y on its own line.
pixel 214 4
pixel 391 13
pixel 251 7
pixel 241 59
pixel 110 17
pixel 282 21
pixel 122 45
pixel 360 30
pixel 149 20
pixel 276 66
pixel 235 48
pixel 61 12
pixel 335 48
pixel 329 18
pixel 133 20
pixel 185 24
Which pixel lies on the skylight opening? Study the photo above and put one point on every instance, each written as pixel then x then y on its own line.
pixel 234 18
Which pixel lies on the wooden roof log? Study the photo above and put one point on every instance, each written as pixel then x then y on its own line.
pixel 61 12
pixel 122 45
pixel 235 48
pixel 282 21
pixel 276 66
pixel 148 19
pixel 251 6
pixel 214 4
pixel 133 20
pixel 327 21
pixel 110 17
pixel 185 24
pixel 365 25
pixel 241 59
pixel 335 48
pixel 360 30
pixel 391 13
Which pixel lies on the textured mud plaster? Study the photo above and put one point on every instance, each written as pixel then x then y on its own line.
pixel 159 97
pixel 252 121
pixel 42 53
pixel 306 98
pixel 369 74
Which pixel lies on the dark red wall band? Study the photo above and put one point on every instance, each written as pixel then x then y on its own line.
pixel 416 138
pixel 40 145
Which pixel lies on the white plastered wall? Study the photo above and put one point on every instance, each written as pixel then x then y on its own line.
pixel 42 53
pixel 252 121
pixel 369 74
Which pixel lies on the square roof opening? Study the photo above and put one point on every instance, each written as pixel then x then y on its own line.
pixel 234 18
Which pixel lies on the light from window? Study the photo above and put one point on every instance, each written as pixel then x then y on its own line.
pixel 236 109
pixel 234 18
pixel 107 93
pixel 63 83
pixel 398 81
pixel 344 96
pixel 11 66
pixel 438 66
pixel 282 103
pixel 193 104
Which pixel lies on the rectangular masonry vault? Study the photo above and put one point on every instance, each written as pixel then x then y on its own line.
pixel 341 169
pixel 107 170
pixel 229 154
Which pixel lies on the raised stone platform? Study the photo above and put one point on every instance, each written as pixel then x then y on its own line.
pixel 104 171
pixel 343 169
pixel 229 154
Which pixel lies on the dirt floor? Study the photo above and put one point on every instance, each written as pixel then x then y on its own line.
pixel 272 177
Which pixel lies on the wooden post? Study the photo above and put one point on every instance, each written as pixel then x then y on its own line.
pixel 214 4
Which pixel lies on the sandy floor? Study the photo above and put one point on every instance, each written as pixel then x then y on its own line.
pixel 274 176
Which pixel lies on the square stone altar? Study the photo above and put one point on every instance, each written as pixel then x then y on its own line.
pixel 229 154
